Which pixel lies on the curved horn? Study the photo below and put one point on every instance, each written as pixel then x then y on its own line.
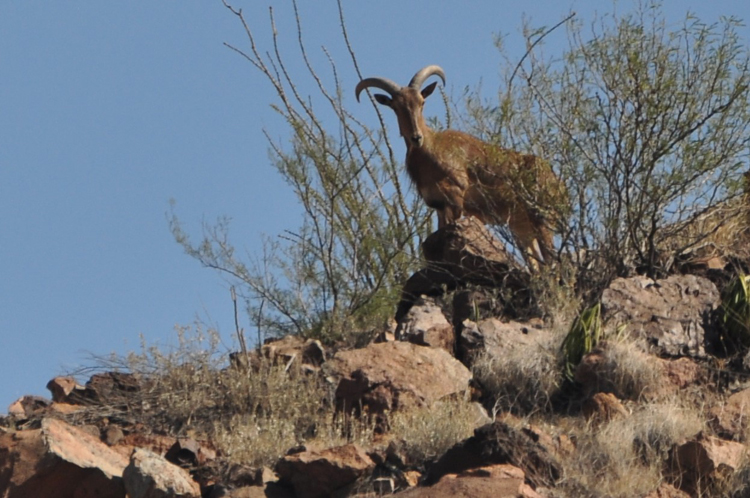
pixel 424 73
pixel 381 83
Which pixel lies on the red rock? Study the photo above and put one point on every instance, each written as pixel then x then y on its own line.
pixel 500 443
pixel 315 474
pixel 149 475
pixel 394 375
pixel 63 409
pixel 58 460
pixel 464 252
pixel 62 387
pixel 696 463
pixel 682 372
pixel 426 325
pixel 27 406
pixel 495 481
pixel 731 419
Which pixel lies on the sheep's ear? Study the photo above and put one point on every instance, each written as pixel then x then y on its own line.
pixel 427 91
pixel 383 99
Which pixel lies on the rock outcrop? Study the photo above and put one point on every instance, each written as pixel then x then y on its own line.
pixel 469 308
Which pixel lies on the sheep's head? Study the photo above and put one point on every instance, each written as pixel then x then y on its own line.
pixel 407 102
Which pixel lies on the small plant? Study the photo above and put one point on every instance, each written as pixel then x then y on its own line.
pixel 584 335
pixel 735 312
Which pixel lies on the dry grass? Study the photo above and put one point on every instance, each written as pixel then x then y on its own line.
pixel 253 417
pixel 625 457
pixel 428 432
pixel 525 378
pixel 627 371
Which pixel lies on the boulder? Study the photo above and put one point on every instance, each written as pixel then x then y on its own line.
pixel 496 337
pixel 469 252
pixel 189 453
pixel 499 443
pixel 477 304
pixel 395 375
pixel 495 481
pixel 681 373
pixel 292 348
pixel 149 475
pixel 239 475
pixel 671 314
pixel 59 460
pixel 287 351
pixel 114 388
pixel 112 435
pixel 696 463
pixel 730 420
pixel 426 325
pixel 317 474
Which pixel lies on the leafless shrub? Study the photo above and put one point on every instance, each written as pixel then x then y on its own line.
pixel 340 273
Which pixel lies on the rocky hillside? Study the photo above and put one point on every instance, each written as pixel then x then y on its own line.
pixel 468 394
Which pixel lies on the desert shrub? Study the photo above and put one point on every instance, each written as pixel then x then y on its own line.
pixel 340 272
pixel 646 121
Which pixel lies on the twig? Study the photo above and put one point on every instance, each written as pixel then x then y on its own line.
pixel 240 334
pixel 528 51
pixel 259 323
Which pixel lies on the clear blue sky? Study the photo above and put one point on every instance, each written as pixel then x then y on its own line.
pixel 110 109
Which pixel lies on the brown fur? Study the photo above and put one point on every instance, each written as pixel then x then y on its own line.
pixel 458 174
